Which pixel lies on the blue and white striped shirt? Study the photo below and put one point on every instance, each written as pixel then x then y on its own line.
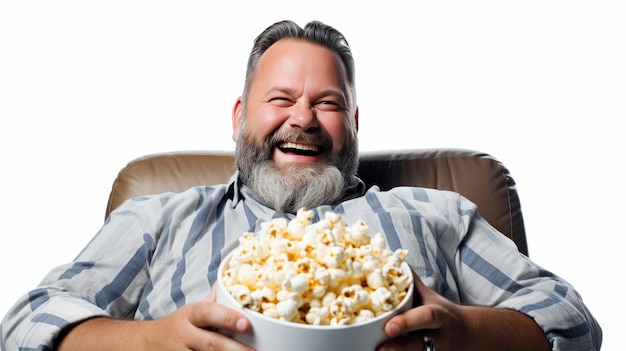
pixel 156 253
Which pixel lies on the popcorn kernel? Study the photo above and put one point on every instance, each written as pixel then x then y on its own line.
pixel 324 273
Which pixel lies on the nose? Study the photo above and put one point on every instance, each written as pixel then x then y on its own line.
pixel 303 118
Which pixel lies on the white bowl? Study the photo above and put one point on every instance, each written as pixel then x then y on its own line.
pixel 269 334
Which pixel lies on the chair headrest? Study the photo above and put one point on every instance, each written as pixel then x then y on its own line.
pixel 476 175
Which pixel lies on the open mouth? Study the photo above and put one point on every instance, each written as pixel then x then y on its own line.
pixel 300 149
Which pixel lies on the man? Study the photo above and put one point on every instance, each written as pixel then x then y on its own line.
pixel 142 282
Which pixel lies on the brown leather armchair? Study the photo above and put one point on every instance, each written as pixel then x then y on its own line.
pixel 476 175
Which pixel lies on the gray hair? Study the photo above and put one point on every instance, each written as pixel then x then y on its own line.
pixel 315 32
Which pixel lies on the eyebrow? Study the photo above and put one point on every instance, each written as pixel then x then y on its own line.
pixel 283 90
pixel 335 92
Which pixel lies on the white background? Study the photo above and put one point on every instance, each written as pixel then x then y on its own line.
pixel 541 85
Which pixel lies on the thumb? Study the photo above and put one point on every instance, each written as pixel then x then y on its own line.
pixel 425 314
pixel 212 294
pixel 422 295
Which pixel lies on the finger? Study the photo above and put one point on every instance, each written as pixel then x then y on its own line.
pixel 417 294
pixel 410 341
pixel 419 318
pixel 206 314
pixel 427 314
pixel 423 294
pixel 212 340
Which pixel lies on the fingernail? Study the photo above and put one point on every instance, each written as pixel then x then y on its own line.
pixel 241 324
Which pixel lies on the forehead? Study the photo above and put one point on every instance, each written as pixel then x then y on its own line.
pixel 292 46
pixel 299 57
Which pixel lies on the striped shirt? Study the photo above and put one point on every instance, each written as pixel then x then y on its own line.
pixel 156 253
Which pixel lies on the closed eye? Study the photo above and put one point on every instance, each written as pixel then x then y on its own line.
pixel 331 100
pixel 281 101
pixel 328 105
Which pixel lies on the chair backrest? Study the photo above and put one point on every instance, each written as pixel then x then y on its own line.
pixel 476 175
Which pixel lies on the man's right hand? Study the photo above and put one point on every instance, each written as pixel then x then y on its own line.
pixel 192 327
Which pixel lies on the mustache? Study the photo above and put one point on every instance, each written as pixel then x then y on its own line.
pixel 320 139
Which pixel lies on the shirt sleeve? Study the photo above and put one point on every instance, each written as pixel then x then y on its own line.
pixel 104 280
pixel 491 271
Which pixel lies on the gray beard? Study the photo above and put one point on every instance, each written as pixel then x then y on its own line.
pixel 299 185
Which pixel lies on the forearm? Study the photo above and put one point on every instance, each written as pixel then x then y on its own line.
pixel 104 334
pixel 191 327
pixel 501 329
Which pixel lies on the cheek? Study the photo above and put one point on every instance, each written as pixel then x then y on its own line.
pixel 337 128
pixel 263 122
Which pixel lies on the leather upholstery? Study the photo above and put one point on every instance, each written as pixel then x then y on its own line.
pixel 476 175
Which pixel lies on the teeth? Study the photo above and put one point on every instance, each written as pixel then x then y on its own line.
pixel 290 145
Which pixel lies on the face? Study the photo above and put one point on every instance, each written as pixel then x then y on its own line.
pixel 299 97
pixel 296 139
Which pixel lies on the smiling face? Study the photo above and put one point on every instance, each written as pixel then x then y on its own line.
pixel 299 123
pixel 299 91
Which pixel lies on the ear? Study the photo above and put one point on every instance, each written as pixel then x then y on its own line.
pixel 356 118
pixel 237 116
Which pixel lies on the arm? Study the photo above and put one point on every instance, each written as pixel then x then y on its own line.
pixel 458 327
pixel 190 327
pixel 471 264
pixel 108 279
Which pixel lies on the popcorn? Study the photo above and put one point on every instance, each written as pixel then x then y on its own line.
pixel 324 273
